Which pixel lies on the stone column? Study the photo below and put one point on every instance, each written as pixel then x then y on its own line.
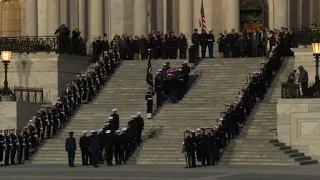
pixel 165 13
pixel 270 14
pixel 185 17
pixel 82 18
pixel 175 16
pixel 42 18
pixel 31 18
pixel 140 17
pixel 280 13
pixel 64 12
pixel 106 17
pixel 95 19
pixel 53 13
pixel 159 15
pixel 233 15
pixel 74 14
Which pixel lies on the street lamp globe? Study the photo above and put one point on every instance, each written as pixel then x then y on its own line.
pixel 316 48
pixel 6 56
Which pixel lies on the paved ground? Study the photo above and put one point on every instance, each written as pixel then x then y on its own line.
pixel 160 172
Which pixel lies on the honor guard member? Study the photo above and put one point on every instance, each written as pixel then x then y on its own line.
pixel 101 136
pixel 117 147
pixel 192 56
pixel 2 147
pixel 132 125
pixel 71 148
pixel 84 144
pixel 27 141
pixel 111 124
pixel 33 133
pixel 149 98
pixel 8 146
pixel 158 82
pixel 196 41
pixel 116 118
pixel 21 147
pixel 203 43
pixel 126 144
pixel 109 144
pixel 38 126
pixel 140 126
pixel 14 147
pixel 210 44
pixel 189 149
pixel 95 148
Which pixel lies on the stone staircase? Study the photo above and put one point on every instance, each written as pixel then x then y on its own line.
pixel 219 82
pixel 124 91
pixel 253 146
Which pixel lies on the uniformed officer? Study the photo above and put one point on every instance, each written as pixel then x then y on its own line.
pixel 189 151
pixel 158 82
pixel 149 97
pixel 21 146
pixel 84 144
pixel 2 147
pixel 192 56
pixel 8 146
pixel 196 41
pixel 116 119
pixel 117 147
pixel 14 147
pixel 94 148
pixel 126 144
pixel 203 43
pixel 71 148
pixel 210 44
pixel 140 127
pixel 109 147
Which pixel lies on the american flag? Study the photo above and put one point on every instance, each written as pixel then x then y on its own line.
pixel 149 77
pixel 202 20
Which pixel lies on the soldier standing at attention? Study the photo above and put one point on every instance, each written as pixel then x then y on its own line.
pixel 95 148
pixel 203 42
pixel 140 127
pixel 14 147
pixel 189 151
pixel 2 147
pixel 196 40
pixel 84 144
pixel 149 98
pixel 71 148
pixel 115 119
pixel 210 44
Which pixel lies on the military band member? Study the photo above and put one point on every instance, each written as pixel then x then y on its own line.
pixel 84 144
pixel 71 147
pixel 149 97
pixel 2 147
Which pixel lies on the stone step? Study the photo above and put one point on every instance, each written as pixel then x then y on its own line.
pixel 258 159
pixel 262 163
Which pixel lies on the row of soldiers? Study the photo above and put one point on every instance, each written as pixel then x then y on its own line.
pixel 205 145
pixel 108 143
pixel 51 118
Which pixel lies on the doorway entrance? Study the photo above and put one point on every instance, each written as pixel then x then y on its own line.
pixel 253 14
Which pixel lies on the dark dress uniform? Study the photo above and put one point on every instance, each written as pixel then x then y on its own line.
pixel 140 127
pixel 211 41
pixel 84 144
pixel 196 41
pixel 8 145
pixel 22 145
pixel 149 98
pixel 14 148
pixel 109 144
pixel 2 147
pixel 183 46
pixel 71 148
pixel 115 121
pixel 189 152
pixel 203 43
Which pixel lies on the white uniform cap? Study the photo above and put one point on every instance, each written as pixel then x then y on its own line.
pixel 84 132
pixel 240 96
pixel 108 131
pixel 106 124
pixel 133 116
pixel 110 117
pixel 100 130
pixel 221 119
pixel 117 131
pixel 191 44
pixel 114 109
pixel 93 131
pixel 138 113
pixel 216 127
pixel 30 121
pixel 198 129
pixel 185 62
pixel 159 70
pixel 192 131
pixel 124 129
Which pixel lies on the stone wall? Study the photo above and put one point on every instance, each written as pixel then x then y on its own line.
pixel 298 124
pixel 50 71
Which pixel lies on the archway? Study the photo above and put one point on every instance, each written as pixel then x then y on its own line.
pixel 253 13
pixel 10 18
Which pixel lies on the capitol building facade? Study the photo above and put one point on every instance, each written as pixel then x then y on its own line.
pixel 137 17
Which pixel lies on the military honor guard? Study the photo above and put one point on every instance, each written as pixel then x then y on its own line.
pixel 149 98
pixel 71 147
pixel 2 147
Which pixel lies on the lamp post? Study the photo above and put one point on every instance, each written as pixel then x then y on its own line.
pixel 316 53
pixel 6 56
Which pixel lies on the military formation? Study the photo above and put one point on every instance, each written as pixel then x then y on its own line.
pixel 17 145
pixel 204 146
pixel 109 144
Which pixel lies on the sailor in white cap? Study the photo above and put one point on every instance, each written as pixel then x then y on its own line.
pixel 149 97
pixel 84 144
pixel 115 121
pixel 118 152
pixel 71 147
pixel 109 146
pixel 124 129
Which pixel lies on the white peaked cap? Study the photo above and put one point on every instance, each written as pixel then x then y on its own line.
pixel 185 62
pixel 221 118
pixel 30 121
pixel 100 130
pixel 198 129
pixel 114 109
pixel 192 131
pixel 191 44
pixel 106 124
pixel 159 70
pixel 93 131
pixel 138 113
pixel 108 131
pixel 117 131
pixel 110 117
pixel 84 132
pixel 124 129
pixel 240 96
pixel 133 116
pixel 217 127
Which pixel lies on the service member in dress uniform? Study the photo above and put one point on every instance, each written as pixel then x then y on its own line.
pixel 109 147
pixel 195 39
pixel 8 146
pixel 189 150
pixel 21 146
pixel 149 97
pixel 14 147
pixel 84 144
pixel 126 144
pixel 71 147
pixel 117 147
pixel 2 147
pixel 210 44
pixel 203 43
pixel 116 119
pixel 140 126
